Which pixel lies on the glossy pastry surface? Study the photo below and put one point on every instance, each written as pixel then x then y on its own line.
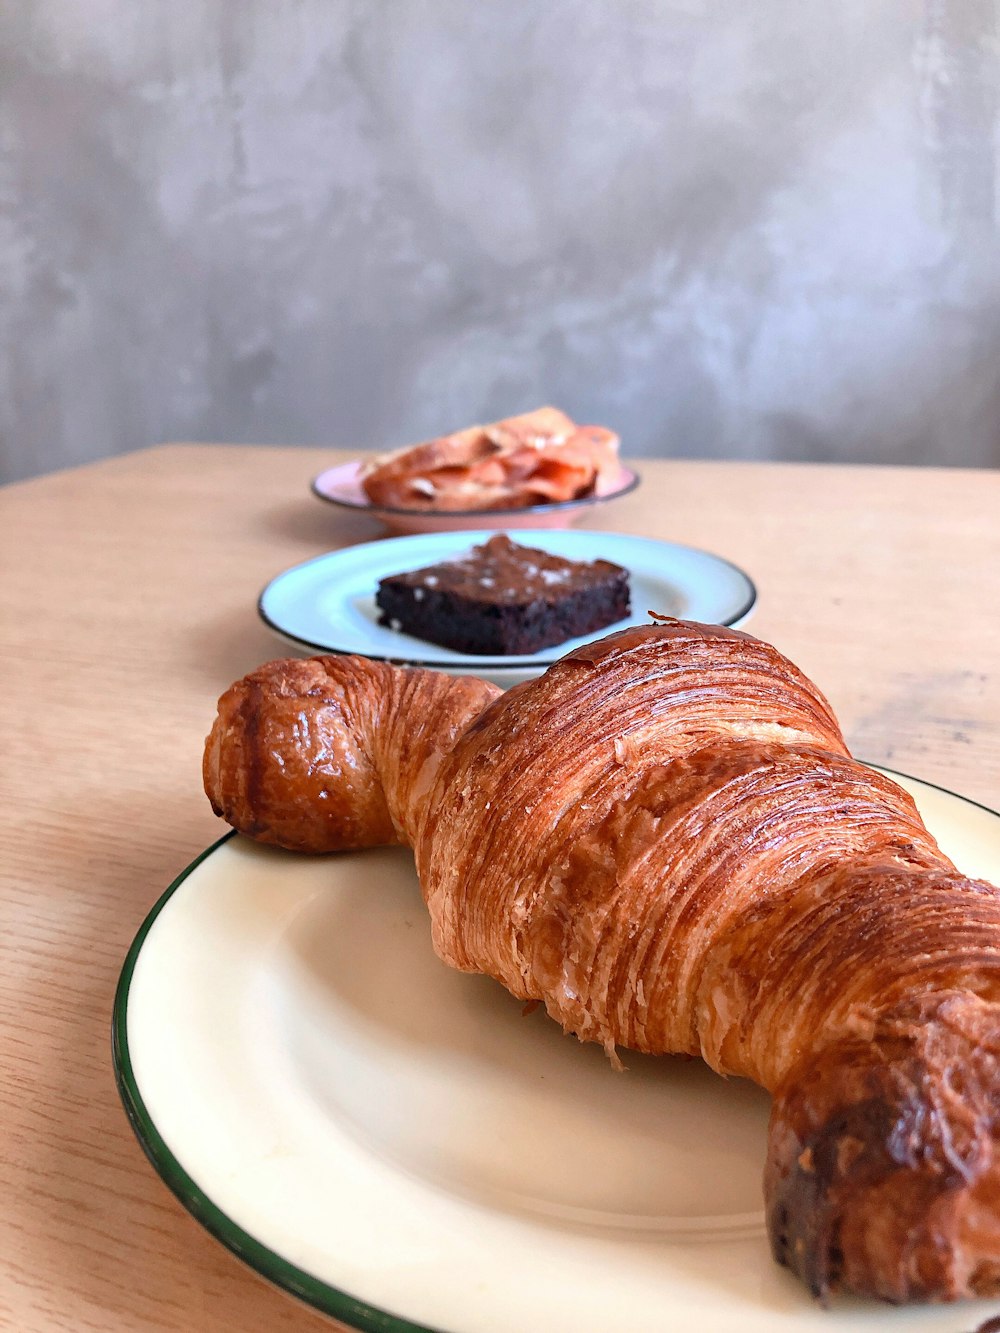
pixel 665 841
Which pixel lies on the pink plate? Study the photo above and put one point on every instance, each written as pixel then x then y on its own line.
pixel 342 486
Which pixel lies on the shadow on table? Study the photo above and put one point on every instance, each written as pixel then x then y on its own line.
pixel 227 646
pixel 320 526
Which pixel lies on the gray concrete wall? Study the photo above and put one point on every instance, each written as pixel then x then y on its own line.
pixel 749 228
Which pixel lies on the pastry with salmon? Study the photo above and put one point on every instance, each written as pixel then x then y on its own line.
pixel 539 457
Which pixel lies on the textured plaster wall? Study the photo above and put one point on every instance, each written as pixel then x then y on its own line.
pixel 728 228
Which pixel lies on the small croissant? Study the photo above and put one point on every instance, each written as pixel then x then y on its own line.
pixel 665 841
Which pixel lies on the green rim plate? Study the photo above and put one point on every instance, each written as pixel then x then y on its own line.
pixel 356 1314
pixel 350 1310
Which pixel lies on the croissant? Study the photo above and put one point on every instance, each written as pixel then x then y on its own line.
pixel 665 841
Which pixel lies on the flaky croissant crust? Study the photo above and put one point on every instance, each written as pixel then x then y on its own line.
pixel 665 840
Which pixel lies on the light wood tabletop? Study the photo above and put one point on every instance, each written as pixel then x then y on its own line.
pixel 129 603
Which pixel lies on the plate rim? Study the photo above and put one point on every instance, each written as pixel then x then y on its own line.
pixel 355 1312
pixel 260 1258
pixel 466 660
pixel 632 479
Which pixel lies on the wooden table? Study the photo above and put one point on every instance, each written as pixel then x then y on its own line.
pixel 129 596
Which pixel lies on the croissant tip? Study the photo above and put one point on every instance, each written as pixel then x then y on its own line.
pixel 880 1156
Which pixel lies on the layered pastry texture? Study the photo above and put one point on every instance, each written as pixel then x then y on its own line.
pixel 539 457
pixel 665 841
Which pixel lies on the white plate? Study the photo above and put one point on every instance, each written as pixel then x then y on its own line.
pixel 377 1133
pixel 328 604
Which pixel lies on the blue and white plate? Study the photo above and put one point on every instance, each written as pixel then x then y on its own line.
pixel 328 604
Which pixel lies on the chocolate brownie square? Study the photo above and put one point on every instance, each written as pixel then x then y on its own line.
pixel 504 600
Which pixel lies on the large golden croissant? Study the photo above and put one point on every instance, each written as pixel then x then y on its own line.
pixel 665 840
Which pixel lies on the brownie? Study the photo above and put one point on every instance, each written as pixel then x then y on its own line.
pixel 503 599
